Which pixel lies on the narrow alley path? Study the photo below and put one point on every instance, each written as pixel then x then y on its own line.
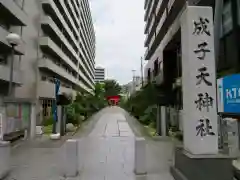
pixel 106 152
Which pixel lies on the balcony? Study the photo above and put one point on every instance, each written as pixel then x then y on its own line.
pixel 49 65
pixel 13 13
pixel 49 26
pixel 47 90
pixel 51 48
pixel 149 23
pixel 50 7
pixel 146 53
pixel 159 6
pixel 5 74
pixel 145 4
pixel 149 4
pixel 169 21
pixel 69 17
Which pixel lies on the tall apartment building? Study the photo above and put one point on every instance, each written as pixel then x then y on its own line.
pixel 163 37
pixel 58 42
pixel 99 74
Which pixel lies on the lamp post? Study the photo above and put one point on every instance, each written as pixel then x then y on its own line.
pixel 14 40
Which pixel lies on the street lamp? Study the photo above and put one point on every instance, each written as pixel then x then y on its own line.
pixel 14 40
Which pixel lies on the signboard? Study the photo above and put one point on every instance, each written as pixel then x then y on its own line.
pixel 200 121
pixel 228 90
pixel 57 88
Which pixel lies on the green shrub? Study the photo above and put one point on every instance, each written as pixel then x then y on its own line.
pixel 47 121
pixel 77 120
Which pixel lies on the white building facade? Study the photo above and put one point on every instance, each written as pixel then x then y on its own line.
pixel 99 74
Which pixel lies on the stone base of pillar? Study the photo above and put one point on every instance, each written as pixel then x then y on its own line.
pixel 198 167
pixel 5 159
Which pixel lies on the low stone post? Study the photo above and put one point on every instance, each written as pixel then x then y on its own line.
pixel 71 158
pixel 33 121
pixel 5 158
pixel 140 156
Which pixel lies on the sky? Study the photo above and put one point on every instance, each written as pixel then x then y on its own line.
pixel 119 27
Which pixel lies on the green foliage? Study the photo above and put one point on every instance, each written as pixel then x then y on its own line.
pixel 85 105
pixel 47 129
pixel 111 88
pixel 73 113
pixel 141 100
pixel 48 121
pixel 143 106
pixel 149 116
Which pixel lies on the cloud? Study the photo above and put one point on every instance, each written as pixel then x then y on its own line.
pixel 119 27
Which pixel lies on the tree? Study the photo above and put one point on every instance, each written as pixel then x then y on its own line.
pixel 99 90
pixel 112 88
pixel 86 104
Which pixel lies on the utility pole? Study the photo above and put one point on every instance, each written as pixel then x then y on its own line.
pixel 133 83
pixel 142 70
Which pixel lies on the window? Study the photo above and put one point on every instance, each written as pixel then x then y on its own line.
pixel 47 107
pixel 156 67
pixel 149 75
pixel 227 22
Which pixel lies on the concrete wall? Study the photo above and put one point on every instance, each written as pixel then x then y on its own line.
pixel 30 35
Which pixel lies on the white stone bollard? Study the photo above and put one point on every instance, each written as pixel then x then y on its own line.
pixel 71 158
pixel 5 158
pixel 140 156
pixel 55 136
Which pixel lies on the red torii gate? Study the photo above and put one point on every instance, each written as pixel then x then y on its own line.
pixel 113 100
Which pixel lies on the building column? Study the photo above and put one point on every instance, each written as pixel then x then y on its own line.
pixel 163 121
pixel 59 119
pixel 33 121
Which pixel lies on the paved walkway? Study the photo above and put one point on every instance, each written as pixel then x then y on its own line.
pixel 106 153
